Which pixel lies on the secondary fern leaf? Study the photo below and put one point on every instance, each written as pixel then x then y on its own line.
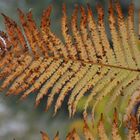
pixel 102 135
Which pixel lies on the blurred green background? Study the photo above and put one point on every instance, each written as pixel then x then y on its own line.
pixel 20 120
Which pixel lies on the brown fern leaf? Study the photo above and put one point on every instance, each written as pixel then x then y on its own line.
pixel 83 66
pixel 131 134
pixel 44 136
pixel 115 130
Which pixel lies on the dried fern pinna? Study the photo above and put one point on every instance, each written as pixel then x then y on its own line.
pixel 133 134
pixel 87 64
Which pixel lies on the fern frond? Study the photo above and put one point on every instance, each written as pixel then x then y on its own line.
pixel 45 30
pixel 67 38
pixel 72 82
pixel 94 79
pixel 101 129
pixel 77 37
pixel 44 136
pixel 27 32
pixel 10 67
pixel 21 67
pixel 115 130
pixel 86 36
pixel 21 79
pixel 46 75
pixel 119 89
pixel 84 65
pixel 53 79
pixel 133 134
pixel 132 35
pixel 119 53
pixel 124 36
pixel 134 100
pixel 37 36
pixel 34 76
pixel 87 134
pixel 73 135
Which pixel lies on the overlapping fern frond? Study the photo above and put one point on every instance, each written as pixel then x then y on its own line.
pixel 84 65
pixel 133 133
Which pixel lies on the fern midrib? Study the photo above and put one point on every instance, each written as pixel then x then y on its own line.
pixel 95 63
